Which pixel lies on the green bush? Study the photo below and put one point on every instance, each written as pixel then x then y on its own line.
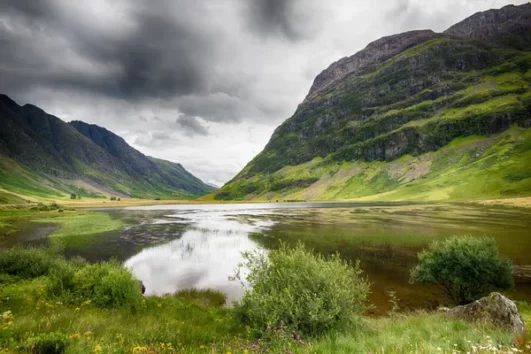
pixel 466 268
pixel 60 280
pixel 107 285
pixel 29 262
pixel 304 291
pixel 48 343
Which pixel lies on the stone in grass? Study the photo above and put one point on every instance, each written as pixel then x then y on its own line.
pixel 495 309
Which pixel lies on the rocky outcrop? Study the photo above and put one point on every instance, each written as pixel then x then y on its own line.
pixel 494 25
pixel 376 52
pixel 495 309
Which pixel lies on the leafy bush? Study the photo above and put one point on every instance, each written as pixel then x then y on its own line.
pixel 466 268
pixel 48 343
pixel 107 285
pixel 304 291
pixel 29 262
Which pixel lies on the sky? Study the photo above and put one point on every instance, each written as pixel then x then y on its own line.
pixel 199 82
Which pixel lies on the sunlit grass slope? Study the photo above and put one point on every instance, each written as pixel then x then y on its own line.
pixel 467 168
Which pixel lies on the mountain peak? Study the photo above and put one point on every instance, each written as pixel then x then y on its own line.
pixel 493 25
pixel 376 52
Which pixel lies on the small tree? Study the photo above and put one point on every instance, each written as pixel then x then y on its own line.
pixel 73 196
pixel 113 198
pixel 465 267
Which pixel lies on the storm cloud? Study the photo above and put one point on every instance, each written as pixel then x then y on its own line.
pixel 294 19
pixel 203 83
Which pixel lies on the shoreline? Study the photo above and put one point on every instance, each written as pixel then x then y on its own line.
pixel 520 202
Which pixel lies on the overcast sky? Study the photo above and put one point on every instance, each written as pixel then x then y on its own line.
pixel 203 83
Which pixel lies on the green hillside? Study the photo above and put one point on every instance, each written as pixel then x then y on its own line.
pixel 416 116
pixel 42 156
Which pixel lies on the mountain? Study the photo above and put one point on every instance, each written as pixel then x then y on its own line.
pixel 414 116
pixel 43 156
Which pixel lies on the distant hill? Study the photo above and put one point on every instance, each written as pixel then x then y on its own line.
pixel 44 156
pixel 414 116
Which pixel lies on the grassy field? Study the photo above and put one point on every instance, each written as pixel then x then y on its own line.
pixel 195 322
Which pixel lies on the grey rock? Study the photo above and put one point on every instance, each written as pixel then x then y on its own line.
pixel 376 52
pixel 494 25
pixel 495 308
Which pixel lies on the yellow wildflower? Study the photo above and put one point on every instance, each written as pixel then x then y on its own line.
pixel 97 348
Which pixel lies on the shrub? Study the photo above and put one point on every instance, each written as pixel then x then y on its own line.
pixel 29 262
pixel 466 268
pixel 60 280
pixel 48 343
pixel 304 291
pixel 73 196
pixel 107 285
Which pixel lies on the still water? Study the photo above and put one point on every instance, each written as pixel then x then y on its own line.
pixel 177 247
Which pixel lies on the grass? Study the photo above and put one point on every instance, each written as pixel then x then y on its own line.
pixel 88 223
pixel 13 219
pixel 473 167
pixel 194 322
pixel 414 333
pixel 190 319
pixel 10 198
pixel 75 227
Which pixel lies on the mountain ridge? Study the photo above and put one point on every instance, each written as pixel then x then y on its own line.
pixel 40 153
pixel 409 94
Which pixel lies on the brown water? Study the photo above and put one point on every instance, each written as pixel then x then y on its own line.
pixel 183 246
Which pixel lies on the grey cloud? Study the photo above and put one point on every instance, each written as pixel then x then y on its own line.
pixel 161 50
pixel 217 107
pixel 292 19
pixel 163 54
pixel 161 135
pixel 192 126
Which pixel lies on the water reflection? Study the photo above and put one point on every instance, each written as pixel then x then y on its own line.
pixel 175 247
pixel 204 256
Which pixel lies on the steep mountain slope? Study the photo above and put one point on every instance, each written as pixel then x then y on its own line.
pixel 44 156
pixel 382 122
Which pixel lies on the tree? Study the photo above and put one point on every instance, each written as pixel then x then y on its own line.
pixel 73 196
pixel 113 198
pixel 466 268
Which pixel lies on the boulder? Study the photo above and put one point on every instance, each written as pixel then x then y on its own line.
pixel 495 309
